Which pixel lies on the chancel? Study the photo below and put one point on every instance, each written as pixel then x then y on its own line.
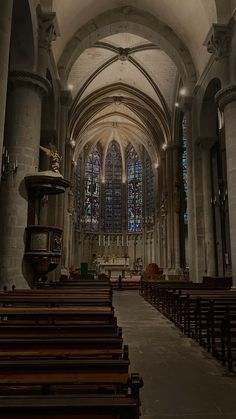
pixel 117 190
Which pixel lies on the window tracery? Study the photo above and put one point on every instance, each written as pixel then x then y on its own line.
pixel 135 196
pixel 113 175
pixel 92 190
pixel 149 185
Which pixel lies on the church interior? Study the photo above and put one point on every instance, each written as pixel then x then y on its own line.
pixel 117 190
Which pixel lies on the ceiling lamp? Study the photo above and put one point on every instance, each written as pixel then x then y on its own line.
pixel 183 91
pixel 70 86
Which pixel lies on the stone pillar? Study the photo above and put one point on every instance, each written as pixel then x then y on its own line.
pixel 226 100
pixel 22 142
pixel 187 108
pixel 176 205
pixel 66 100
pixel 210 267
pixel 67 210
pixel 145 261
pixel 47 32
pixel 169 188
pixel 5 36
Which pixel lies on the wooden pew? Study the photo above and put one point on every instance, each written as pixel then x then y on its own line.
pixel 59 331
pixel 63 348
pixel 87 299
pixel 48 375
pixel 198 310
pixel 228 339
pixel 64 341
pixel 70 407
pixel 57 315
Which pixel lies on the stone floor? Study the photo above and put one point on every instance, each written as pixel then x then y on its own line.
pixel 181 380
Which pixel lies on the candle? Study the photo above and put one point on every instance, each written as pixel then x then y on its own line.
pixel 108 241
pixel 99 240
pixel 104 240
pixel 117 241
pixel 122 240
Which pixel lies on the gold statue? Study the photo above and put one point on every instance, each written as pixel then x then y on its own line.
pixel 54 157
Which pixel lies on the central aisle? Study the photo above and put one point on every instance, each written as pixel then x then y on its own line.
pixel 181 381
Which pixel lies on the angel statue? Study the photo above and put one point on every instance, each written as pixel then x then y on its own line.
pixel 54 157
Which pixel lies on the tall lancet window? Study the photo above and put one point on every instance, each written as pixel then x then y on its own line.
pixel 92 189
pixel 184 168
pixel 135 196
pixel 78 189
pixel 113 174
pixel 149 185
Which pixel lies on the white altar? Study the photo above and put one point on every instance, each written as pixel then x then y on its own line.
pixel 114 266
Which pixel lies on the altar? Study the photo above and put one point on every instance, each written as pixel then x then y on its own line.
pixel 114 266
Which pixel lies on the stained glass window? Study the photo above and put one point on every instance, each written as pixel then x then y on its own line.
pixel 135 196
pixel 184 167
pixel 92 188
pixel 113 174
pixel 149 185
pixel 78 189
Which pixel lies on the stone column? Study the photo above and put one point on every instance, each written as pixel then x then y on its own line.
pixel 22 142
pixel 187 108
pixel 5 36
pixel 226 100
pixel 47 32
pixel 210 266
pixel 66 100
pixel 67 222
pixel 145 260
pixel 169 206
pixel 176 205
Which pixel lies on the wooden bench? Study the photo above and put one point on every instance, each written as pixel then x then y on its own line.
pixel 59 331
pixel 87 299
pixel 45 376
pixel 63 348
pixel 199 310
pixel 62 355
pixel 57 315
pixel 70 407
pixel 228 339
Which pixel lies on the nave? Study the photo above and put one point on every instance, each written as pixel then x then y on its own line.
pixel 181 380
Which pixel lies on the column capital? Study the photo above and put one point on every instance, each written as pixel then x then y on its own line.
pixel 218 40
pixel 32 80
pixel 47 28
pixel 225 96
pixel 66 98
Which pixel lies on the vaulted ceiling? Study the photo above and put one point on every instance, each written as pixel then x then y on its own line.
pixel 124 62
